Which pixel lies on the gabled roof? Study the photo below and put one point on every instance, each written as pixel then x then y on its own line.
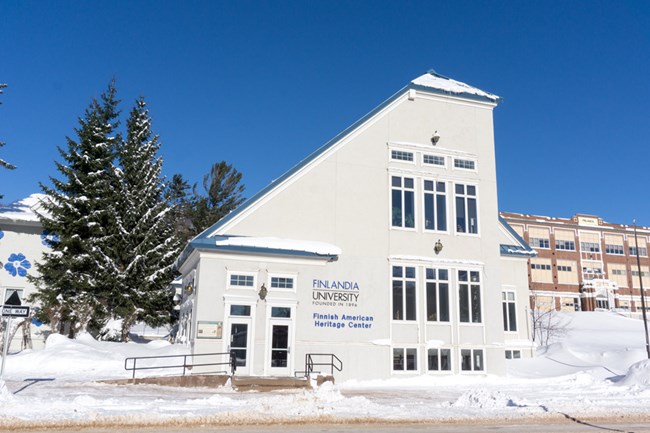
pixel 430 82
pixel 518 249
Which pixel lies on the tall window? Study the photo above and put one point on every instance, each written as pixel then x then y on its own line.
pixel 435 206
pixel 509 311
pixel 403 293
pixel 469 296
pixel 403 202
pixel 439 359
pixel 437 285
pixel 466 209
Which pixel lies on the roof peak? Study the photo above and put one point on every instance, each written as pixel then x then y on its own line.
pixel 434 80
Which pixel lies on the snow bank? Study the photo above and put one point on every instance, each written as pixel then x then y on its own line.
pixel 482 398
pixel 638 375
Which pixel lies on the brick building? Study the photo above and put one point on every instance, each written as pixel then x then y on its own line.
pixel 583 262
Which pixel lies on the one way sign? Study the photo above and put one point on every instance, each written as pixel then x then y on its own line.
pixel 12 311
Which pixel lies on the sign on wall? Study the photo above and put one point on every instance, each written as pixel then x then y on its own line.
pixel 209 329
pixel 334 298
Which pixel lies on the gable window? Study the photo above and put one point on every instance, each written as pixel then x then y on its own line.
pixel 435 206
pixel 439 359
pixel 399 155
pixel 242 280
pixel 403 201
pixel 404 293
pixel 509 311
pixel 464 164
pixel 281 282
pixel 437 287
pixel 434 160
pixel 469 296
pixel 471 359
pixel 405 359
pixel 466 209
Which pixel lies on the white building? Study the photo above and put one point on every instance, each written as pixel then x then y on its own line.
pixel 22 243
pixel 384 247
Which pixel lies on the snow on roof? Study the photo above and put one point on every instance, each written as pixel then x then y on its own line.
pixel 314 247
pixel 436 81
pixel 25 209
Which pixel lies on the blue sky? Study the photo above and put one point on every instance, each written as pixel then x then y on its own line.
pixel 262 84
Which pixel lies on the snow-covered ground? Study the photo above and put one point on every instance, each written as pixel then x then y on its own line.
pixel 597 370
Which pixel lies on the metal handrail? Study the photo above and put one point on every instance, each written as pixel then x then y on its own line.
pixel 231 362
pixel 334 362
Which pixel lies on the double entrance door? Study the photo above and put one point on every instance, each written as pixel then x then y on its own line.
pixel 277 344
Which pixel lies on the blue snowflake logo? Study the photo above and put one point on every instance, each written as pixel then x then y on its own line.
pixel 2 234
pixel 49 239
pixel 17 264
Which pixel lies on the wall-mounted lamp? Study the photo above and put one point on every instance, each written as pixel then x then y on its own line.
pixel 437 247
pixel 189 289
pixel 435 138
pixel 263 292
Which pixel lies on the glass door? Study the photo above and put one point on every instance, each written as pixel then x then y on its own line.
pixel 239 344
pixel 279 342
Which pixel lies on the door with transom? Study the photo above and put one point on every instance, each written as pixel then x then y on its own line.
pixel 280 341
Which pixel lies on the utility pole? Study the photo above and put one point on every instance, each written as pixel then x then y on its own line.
pixel 645 320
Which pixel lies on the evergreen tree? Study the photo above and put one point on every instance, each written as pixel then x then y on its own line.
pixel 224 194
pixel 4 163
pixel 178 195
pixel 77 279
pixel 146 246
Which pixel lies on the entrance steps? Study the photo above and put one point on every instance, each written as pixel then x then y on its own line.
pixel 238 383
pixel 258 383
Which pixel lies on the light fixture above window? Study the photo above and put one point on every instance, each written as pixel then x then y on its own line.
pixel 263 292
pixel 435 138
pixel 437 247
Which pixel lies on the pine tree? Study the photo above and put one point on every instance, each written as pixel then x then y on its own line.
pixel 224 194
pixel 178 195
pixel 146 245
pixel 4 163
pixel 78 278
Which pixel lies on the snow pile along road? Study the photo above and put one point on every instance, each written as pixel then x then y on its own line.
pixel 597 369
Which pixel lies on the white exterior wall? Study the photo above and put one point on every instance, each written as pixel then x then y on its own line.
pixel 343 197
pixel 21 237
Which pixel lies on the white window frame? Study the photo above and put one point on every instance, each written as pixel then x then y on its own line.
pixel 469 283
pixel 429 164
pixel 272 275
pixel 464 169
pixel 472 369
pixel 404 350
pixel 435 194
pixel 404 279
pixel 512 353
pixel 466 216
pixel 402 190
pixel 230 274
pixel 439 370
pixel 404 161
pixel 504 300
